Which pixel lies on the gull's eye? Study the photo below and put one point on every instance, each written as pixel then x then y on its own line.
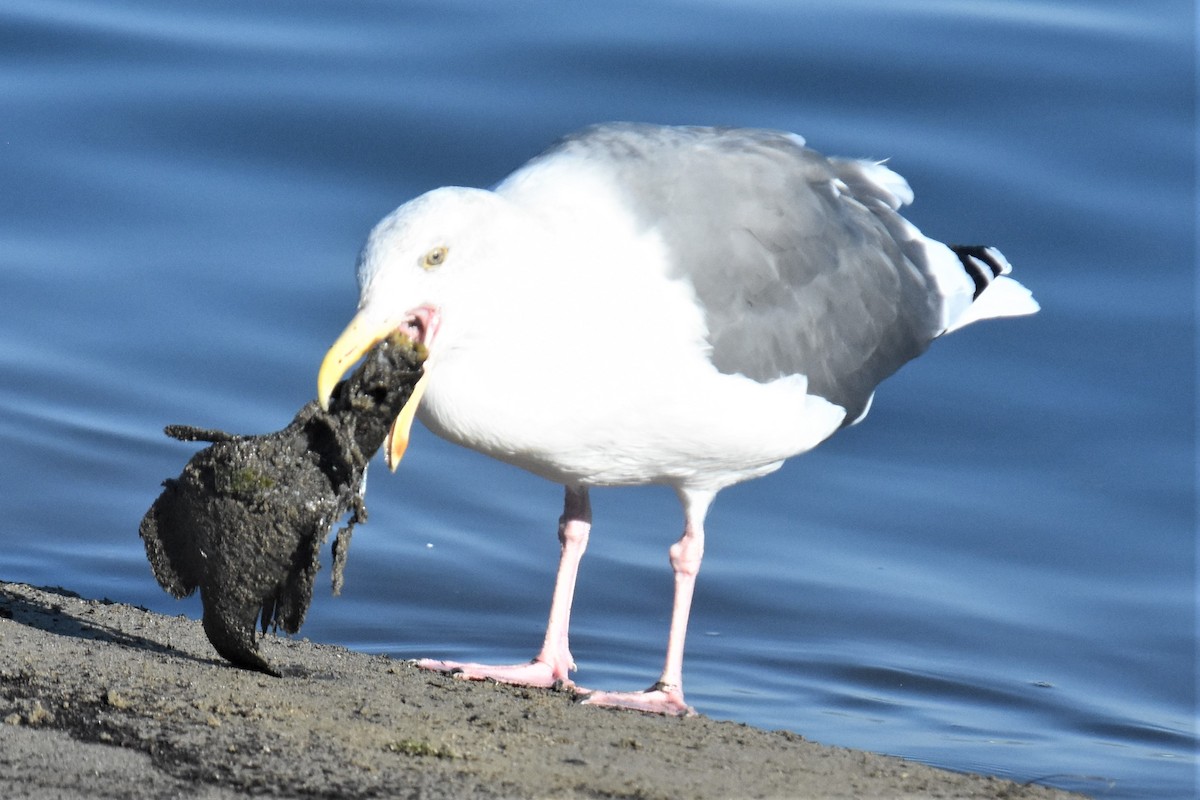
pixel 434 258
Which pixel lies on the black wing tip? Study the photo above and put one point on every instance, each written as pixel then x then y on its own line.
pixel 984 264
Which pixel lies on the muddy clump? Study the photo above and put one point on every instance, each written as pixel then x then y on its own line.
pixel 246 518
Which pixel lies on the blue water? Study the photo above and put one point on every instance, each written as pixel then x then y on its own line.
pixel 995 572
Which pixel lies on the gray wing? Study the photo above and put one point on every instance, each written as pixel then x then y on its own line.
pixel 800 261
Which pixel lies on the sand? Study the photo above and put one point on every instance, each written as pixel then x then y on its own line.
pixel 100 699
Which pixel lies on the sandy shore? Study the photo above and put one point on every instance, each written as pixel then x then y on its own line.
pixel 99 699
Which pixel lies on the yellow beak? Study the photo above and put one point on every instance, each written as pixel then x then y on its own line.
pixel 398 435
pixel 363 333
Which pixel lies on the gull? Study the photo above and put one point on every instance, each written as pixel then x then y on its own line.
pixel 642 304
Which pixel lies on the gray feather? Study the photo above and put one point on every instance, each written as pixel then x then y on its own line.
pixel 799 261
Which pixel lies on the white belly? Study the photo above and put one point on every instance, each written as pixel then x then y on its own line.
pixel 627 422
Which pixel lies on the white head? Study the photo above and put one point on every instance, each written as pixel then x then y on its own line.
pixel 441 268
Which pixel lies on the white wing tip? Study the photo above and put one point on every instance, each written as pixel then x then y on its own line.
pixel 998 258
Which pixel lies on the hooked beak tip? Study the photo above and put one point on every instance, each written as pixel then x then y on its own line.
pixel 360 335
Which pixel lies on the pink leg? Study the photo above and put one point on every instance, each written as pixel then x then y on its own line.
pixel 552 666
pixel 666 696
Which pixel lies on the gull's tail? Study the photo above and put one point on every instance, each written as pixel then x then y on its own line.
pixel 996 295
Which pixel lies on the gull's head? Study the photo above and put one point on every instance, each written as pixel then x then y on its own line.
pixel 438 269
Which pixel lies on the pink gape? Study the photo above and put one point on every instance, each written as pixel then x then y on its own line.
pixel 647 305
pixel 552 666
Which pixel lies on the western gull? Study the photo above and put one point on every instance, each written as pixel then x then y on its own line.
pixel 641 304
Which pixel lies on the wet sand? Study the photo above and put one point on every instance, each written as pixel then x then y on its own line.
pixel 100 699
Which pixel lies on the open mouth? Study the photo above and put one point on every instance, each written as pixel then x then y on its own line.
pixel 421 324
pixel 364 331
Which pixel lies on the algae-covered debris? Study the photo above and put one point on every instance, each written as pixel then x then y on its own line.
pixel 246 518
